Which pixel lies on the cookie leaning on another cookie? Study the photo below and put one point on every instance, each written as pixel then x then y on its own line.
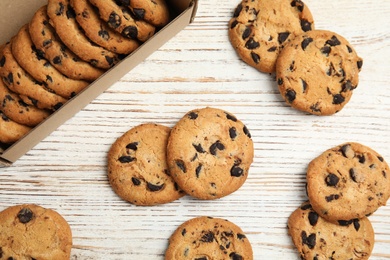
pixel 10 131
pixel 316 238
pixel 317 72
pixel 348 182
pixel 32 232
pixel 259 29
pixel 209 153
pixel 208 238
pixel 137 168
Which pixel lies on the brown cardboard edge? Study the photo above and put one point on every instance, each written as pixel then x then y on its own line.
pixel 67 111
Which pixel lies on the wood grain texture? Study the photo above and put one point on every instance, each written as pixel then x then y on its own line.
pixel 198 68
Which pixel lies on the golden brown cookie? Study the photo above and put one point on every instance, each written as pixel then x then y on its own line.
pixel 10 131
pixel 209 153
pixel 63 19
pixel 19 81
pixel 260 29
pixel 30 231
pixel 348 181
pixel 316 238
pixel 55 51
pixel 317 72
pixel 121 19
pixel 208 238
pixel 137 167
pixel 98 31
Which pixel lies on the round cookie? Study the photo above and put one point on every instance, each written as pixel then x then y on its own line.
pixel 209 153
pixel 260 29
pixel 32 232
pixel 155 12
pixel 208 238
pixel 121 19
pixel 137 168
pixel 316 238
pixel 98 31
pixel 45 39
pixel 10 131
pixel 317 72
pixel 348 181
pixel 62 18
pixel 33 61
pixel 19 81
pixel 17 110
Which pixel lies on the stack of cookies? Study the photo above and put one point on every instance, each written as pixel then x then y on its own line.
pixel 345 184
pixel 207 155
pixel 67 45
pixel 316 70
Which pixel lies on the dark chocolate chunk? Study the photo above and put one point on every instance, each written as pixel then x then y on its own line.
pixel 184 232
pixel 216 146
pixel 241 236
pixel 238 10
pixel 198 148
pixel 70 13
pixel 25 215
pixel 153 187
pixel 349 49
pixel 247 32
pixel 60 10
pixel 344 150
pixel 181 165
pixel 235 256
pixel 356 224
pixel 114 20
pixel 104 34
pixel 282 37
pixel 344 222
pixel 290 95
pixel 110 60
pixel 332 197
pixel 49 78
pixel 255 57
pixel 57 60
pixel 347 86
pixel 246 132
pixel 359 64
pixel 306 42
pixel 304 85
pixel 233 24
pixel 353 175
pixel 310 240
pixel 252 44
pixel 57 106
pixel 333 41
pixel 130 32
pixel 198 170
pixel 139 13
pixel 10 78
pixel 280 81
pixel 306 207
pixel 326 50
pixel 231 117
pixel 135 181
pixel 313 218
pixel 298 4
pixel 236 171
pixel 193 115
pixel 132 146
pixel 272 49
pixel 338 99
pixel 2 61
pixel 126 159
pixel 201 258
pixel 208 237
pixel 232 133
pixel 332 180
pixel 305 25
pixel 362 158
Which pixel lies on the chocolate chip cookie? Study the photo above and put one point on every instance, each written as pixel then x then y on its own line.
pixel 316 238
pixel 155 12
pixel 137 168
pixel 19 81
pixel 121 19
pixel 209 153
pixel 260 29
pixel 55 51
pixel 32 232
pixel 63 19
pixel 98 31
pixel 10 131
pixel 208 238
pixel 33 61
pixel 347 182
pixel 317 72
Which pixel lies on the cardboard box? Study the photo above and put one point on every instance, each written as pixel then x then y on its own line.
pixel 15 13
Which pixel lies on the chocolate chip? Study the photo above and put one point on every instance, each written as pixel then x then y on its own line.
pixel 349 49
pixel 235 256
pixel 236 171
pixel 57 60
pixel 305 25
pixel 331 180
pixel 139 13
pixel 238 10
pixel 4 117
pixel 333 41
pixel 272 49
pixel 10 78
pixel 290 95
pixel 114 20
pixel 126 159
pixel 104 34
pixel 57 106
pixel 241 236
pixel 255 57
pixel 60 11
pixel 338 99
pixel 130 32
pixel 153 187
pixel 282 37
pixel 298 4
pixel 233 24
pixel 344 222
pixel 201 258
pixel 306 207
pixel 313 218
pixel 246 33
pixel 232 133
pixel 49 78
pixel 2 61
pixel 346 151
pixel 326 50
pixel 70 13
pixel 280 81
pixel 353 175
pixel 252 44
pixel 198 148
pixel 216 146
pixel 25 215
pixel 193 115
pixel 359 64
pixel 231 117
pixel 380 158
pixel 246 132
pixel 362 158
pixel 306 42
pixel 310 240
pixel 38 53
pixel 347 86
pixel 304 85
pixel 208 237
pixel 181 165
pixel 110 60
pixel 332 197
pixel 184 232
pixel 356 224
pixel 132 146
pixel 135 181
pixel 198 170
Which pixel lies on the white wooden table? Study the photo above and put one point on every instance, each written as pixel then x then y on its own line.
pixel 198 68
